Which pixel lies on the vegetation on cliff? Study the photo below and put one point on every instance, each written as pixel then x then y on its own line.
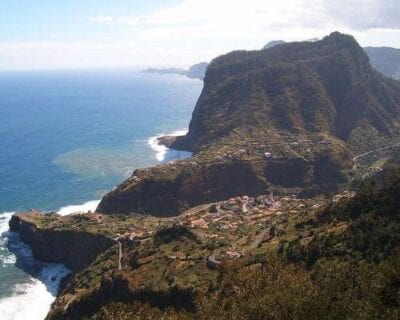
pixel 329 257
pixel 290 118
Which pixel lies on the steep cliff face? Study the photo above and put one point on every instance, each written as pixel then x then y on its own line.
pixel 164 191
pixel 147 274
pixel 306 87
pixel 74 249
pixel 291 116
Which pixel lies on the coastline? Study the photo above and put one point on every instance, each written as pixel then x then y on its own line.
pixel 161 144
pixel 46 282
pixel 41 282
pixel 43 279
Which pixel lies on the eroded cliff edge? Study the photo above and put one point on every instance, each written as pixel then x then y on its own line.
pixel 287 119
pixel 115 258
pixel 73 248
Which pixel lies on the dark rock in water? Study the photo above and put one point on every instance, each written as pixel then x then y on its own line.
pixel 290 117
pixel 53 279
pixel 167 141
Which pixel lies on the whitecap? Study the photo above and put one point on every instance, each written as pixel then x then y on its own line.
pixel 80 208
pixel 165 154
pixel 4 219
pixel 33 298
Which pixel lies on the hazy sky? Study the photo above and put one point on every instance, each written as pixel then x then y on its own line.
pixel 59 34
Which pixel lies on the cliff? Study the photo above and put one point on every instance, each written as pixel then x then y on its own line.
pixel 75 249
pixel 287 119
pixel 85 243
pixel 304 253
pixel 301 88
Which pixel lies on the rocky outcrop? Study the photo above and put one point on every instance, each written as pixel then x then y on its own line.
pixel 291 116
pixel 169 190
pixel 74 249
pixel 301 88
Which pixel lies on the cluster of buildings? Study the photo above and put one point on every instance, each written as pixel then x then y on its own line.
pixel 234 213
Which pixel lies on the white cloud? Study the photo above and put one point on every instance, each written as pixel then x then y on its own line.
pixel 365 14
pixel 240 16
pixel 197 30
pixel 230 24
pixel 102 19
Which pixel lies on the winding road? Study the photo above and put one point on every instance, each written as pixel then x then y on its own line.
pixel 373 151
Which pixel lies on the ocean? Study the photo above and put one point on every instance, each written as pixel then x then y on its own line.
pixel 65 139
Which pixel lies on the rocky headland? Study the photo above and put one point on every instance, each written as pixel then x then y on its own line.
pixel 266 220
pixel 288 119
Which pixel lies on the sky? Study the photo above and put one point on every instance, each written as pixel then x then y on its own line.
pixel 75 34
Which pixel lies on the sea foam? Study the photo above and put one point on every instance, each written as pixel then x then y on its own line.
pixel 165 154
pixel 80 208
pixel 33 298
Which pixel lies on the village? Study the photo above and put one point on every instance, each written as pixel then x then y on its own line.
pixel 229 229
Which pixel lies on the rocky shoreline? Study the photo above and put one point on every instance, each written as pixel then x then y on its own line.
pixel 74 249
pixel 93 256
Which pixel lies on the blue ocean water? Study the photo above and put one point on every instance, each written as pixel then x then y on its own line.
pixel 65 139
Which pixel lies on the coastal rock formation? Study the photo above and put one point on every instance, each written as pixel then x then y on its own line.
pixel 301 88
pixel 289 117
pixel 176 268
pixel 166 190
pixel 74 249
